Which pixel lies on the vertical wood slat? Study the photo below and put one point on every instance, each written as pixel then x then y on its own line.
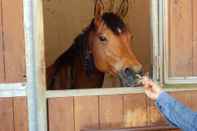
pixel 193 95
pixel 111 111
pixel 6 114
pixel 13 40
pixel 194 37
pixel 184 97
pixel 135 110
pixel 181 57
pixel 86 112
pixel 60 114
pixel 2 73
pixel 155 118
pixel 139 25
pixel 20 114
pixel 194 7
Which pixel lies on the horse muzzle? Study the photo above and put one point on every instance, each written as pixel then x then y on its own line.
pixel 128 78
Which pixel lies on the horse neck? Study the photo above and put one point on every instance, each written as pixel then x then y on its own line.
pixel 79 50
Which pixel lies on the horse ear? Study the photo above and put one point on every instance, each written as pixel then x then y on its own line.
pixel 123 9
pixel 98 11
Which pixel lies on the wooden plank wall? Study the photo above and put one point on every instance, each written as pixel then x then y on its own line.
pixel 182 37
pixel 138 21
pixel 13 111
pixel 12 47
pixel 2 72
pixel 194 36
pixel 13 114
pixel 118 111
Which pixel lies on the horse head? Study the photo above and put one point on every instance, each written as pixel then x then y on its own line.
pixel 110 45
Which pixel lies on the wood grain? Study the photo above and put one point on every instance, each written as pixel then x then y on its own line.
pixel 20 114
pixel 154 128
pixel 6 114
pixel 155 117
pixel 104 112
pixel 66 26
pixel 61 114
pixel 86 112
pixel 2 72
pixel 14 40
pixel 184 97
pixel 180 44
pixel 193 95
pixel 194 37
pixel 111 111
pixel 194 5
pixel 135 105
pixel 139 24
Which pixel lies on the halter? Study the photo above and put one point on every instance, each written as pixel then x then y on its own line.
pixel 87 55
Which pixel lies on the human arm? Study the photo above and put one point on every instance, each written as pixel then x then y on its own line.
pixel 174 111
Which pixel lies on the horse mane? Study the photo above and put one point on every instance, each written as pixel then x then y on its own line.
pixel 79 48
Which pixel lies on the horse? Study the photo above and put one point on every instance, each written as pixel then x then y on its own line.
pixel 103 47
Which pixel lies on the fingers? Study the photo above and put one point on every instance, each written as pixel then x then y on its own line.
pixel 145 79
pixel 148 85
pixel 151 89
pixel 146 82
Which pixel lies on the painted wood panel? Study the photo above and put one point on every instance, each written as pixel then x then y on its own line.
pixel 59 19
pixel 13 40
pixel 156 128
pixel 195 37
pixel 134 105
pixel 111 111
pixel 13 114
pixel 86 112
pixel 117 111
pixel 193 95
pixel 20 112
pixel 2 72
pixel 61 114
pixel 180 38
pixel 184 97
pixel 6 114
pixel 154 116
pixel 139 24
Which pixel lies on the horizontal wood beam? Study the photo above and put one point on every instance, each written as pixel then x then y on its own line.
pixel 156 128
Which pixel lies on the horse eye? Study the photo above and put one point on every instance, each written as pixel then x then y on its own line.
pixel 102 38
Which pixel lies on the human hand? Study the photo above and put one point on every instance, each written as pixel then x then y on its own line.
pixel 152 90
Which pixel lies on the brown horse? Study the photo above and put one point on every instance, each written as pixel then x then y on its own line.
pixel 103 47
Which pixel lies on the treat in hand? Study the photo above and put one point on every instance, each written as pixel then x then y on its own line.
pixel 152 90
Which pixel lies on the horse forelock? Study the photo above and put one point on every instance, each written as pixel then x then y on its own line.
pixel 114 22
